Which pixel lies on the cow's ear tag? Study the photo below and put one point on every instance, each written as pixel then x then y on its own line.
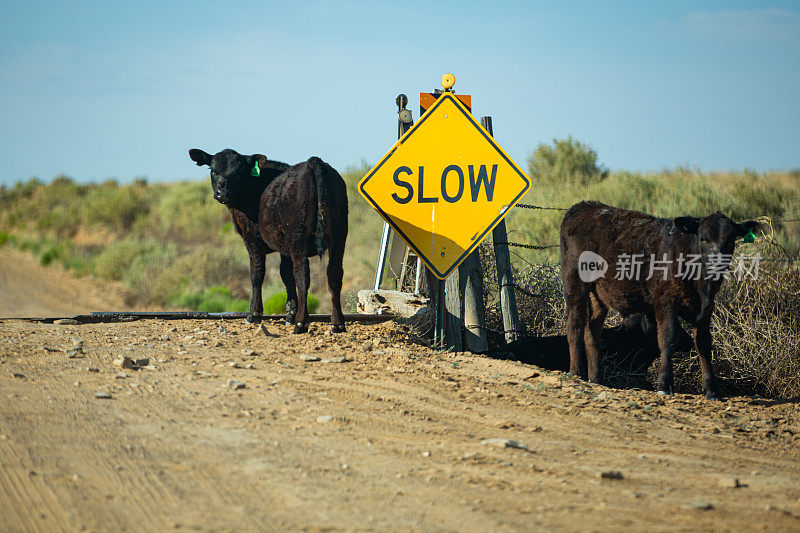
pixel 256 171
pixel 749 237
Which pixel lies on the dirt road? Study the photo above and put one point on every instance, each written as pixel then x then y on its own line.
pixel 29 289
pixel 381 434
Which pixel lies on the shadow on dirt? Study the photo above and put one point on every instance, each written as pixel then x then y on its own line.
pixel 627 351
pixel 772 402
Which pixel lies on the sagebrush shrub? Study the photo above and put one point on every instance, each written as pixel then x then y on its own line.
pixel 567 161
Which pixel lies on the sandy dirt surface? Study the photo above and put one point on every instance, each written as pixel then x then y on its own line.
pixel 381 434
pixel 28 289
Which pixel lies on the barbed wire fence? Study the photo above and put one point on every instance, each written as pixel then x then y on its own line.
pixel 536 284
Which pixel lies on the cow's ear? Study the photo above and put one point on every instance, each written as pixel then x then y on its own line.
pixel 743 228
pixel 262 159
pixel 200 157
pixel 687 224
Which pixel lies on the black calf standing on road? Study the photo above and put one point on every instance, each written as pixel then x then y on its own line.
pixel 298 211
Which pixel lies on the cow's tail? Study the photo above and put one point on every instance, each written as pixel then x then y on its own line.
pixel 322 192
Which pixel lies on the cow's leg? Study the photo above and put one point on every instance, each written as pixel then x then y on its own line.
pixel 702 342
pixel 257 270
pixel 335 274
pixel 666 334
pixel 287 275
pixel 302 277
pixel 591 337
pixel 576 323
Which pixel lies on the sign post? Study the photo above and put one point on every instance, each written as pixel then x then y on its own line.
pixel 404 122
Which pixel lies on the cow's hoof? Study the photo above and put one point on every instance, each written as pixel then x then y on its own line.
pixel 711 388
pixel 300 328
pixel 291 314
pixel 338 328
pixel 666 385
pixel 253 318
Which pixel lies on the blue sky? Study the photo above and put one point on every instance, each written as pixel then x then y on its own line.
pixel 99 90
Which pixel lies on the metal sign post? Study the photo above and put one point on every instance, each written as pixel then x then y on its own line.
pixel 404 121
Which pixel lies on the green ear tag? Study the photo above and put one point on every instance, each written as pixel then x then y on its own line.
pixel 750 237
pixel 256 171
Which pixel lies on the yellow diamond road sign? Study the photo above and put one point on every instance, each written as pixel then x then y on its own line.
pixel 444 185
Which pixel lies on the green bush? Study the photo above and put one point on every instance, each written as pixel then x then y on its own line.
pixel 79 261
pixel 212 300
pixel 133 260
pixel 194 271
pixel 53 208
pixel 22 190
pixel 51 254
pixel 567 161
pixel 220 299
pixel 115 207
pixel 188 212
pixel 30 245
pixel 276 304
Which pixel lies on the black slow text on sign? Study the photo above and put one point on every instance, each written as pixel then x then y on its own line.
pixel 482 178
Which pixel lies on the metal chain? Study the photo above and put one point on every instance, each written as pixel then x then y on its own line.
pixel 528 246
pixel 530 206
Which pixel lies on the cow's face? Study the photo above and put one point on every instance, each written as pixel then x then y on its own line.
pixel 716 234
pixel 231 172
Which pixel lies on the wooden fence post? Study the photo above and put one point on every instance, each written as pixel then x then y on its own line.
pixel 505 280
pixel 474 316
pixel 453 307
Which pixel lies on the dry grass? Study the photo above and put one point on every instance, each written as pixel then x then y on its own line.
pixel 756 331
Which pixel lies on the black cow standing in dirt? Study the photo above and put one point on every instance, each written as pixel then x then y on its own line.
pixel 619 237
pixel 298 211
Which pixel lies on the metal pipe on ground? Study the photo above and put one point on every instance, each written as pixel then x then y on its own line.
pixel 130 316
